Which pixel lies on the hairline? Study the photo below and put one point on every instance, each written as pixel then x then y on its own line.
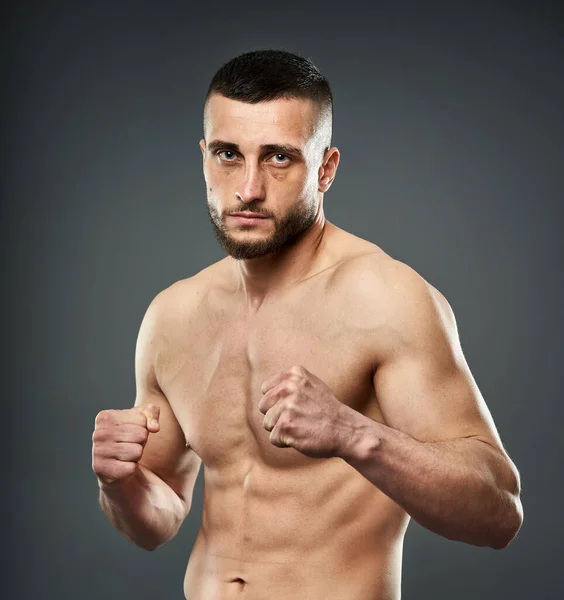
pixel 322 107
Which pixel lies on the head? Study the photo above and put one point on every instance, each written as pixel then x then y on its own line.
pixel 267 149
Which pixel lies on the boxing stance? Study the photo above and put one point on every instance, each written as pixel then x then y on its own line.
pixel 320 381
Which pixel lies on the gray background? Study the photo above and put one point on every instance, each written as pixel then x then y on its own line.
pixel 450 124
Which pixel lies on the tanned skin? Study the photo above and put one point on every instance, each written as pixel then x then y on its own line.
pixel 320 381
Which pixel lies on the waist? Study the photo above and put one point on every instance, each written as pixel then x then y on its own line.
pixel 210 576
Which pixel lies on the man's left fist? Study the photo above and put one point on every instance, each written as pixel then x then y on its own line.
pixel 302 412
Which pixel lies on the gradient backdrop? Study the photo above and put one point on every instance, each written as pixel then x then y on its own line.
pixel 451 128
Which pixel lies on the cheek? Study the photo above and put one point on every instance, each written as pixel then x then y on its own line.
pixel 302 186
pixel 219 181
pixel 295 178
pixel 220 177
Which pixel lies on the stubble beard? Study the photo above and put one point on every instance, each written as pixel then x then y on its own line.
pixel 286 231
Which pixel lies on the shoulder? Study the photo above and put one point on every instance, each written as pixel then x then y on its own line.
pixel 214 277
pixel 389 295
pixel 183 297
pixel 191 303
pixel 391 278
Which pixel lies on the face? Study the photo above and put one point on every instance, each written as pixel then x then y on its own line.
pixel 266 158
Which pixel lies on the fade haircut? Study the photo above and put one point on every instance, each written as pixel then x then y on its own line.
pixel 263 75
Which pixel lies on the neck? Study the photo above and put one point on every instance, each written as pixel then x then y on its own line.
pixel 263 277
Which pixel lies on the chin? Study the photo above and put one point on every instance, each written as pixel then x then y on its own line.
pixel 240 251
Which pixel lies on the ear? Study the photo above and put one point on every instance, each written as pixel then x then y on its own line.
pixel 203 147
pixel 328 169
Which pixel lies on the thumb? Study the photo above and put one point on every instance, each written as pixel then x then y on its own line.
pixel 152 412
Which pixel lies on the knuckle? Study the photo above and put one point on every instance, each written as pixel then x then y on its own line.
pixel 290 408
pixel 104 450
pixel 98 465
pixel 102 418
pixel 297 370
pixel 138 417
pixel 140 434
pixel 137 451
pixel 291 388
pixel 115 451
pixel 101 435
pixel 97 448
pixel 128 451
pixel 129 468
pixel 135 433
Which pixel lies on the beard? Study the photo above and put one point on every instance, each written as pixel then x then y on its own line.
pixel 286 231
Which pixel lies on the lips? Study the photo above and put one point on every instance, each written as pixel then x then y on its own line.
pixel 248 215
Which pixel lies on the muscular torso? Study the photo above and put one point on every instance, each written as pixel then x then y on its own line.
pixel 276 523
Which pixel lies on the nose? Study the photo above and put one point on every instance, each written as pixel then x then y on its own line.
pixel 252 187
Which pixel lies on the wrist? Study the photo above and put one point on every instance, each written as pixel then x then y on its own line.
pixel 359 438
pixel 115 488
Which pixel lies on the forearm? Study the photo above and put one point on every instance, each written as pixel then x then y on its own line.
pixel 461 489
pixel 143 507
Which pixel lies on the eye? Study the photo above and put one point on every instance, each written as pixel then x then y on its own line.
pixel 284 159
pixel 229 155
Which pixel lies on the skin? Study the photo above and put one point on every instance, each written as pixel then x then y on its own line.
pixel 319 381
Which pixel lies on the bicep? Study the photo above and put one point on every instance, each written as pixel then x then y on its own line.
pixel 166 453
pixel 431 401
pixel 425 387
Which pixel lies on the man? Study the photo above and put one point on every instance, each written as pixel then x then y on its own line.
pixel 320 381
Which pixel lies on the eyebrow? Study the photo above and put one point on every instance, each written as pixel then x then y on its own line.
pixel 278 148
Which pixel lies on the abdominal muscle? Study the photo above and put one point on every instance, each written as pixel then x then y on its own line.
pixel 315 532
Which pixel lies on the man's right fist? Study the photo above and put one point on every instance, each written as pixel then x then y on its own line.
pixel 119 439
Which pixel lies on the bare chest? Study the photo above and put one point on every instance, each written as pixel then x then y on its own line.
pixel 215 363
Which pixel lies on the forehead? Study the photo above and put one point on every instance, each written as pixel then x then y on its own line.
pixel 289 118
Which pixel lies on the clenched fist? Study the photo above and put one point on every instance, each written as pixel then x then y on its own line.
pixel 302 412
pixel 119 439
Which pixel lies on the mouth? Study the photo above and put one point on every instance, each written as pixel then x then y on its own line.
pixel 248 217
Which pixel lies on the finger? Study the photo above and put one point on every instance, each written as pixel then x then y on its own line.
pixel 115 470
pixel 152 414
pixel 278 439
pixel 267 401
pixel 126 451
pixel 122 432
pixel 114 417
pixel 273 381
pixel 131 433
pixel 272 415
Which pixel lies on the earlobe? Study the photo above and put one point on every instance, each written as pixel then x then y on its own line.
pixel 321 178
pixel 330 166
pixel 324 184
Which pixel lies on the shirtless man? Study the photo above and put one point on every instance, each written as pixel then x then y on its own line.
pixel 320 381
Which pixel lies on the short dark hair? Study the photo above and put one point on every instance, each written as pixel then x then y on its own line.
pixel 263 75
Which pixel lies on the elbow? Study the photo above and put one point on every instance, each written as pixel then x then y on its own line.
pixel 511 515
pixel 153 541
pixel 151 546
pixel 510 525
pixel 148 544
